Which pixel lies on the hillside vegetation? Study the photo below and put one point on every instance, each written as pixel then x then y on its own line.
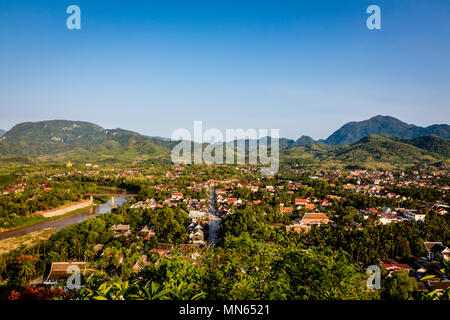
pixel 62 140
pixel 373 151
pixel 76 140
pixel 386 125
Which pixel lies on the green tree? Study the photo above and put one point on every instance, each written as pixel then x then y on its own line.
pixel 398 286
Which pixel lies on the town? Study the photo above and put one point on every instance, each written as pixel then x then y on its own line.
pixel 182 219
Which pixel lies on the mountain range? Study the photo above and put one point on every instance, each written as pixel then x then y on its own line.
pixel 372 152
pixel 2 132
pixel 381 141
pixel 354 131
pixel 77 140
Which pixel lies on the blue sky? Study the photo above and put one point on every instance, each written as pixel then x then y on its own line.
pixel 304 67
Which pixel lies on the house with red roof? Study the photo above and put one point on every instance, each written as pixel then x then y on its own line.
pixel 177 196
pixel 392 265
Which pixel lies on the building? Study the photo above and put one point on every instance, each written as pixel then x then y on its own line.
pixel 437 248
pixel 439 286
pixel 140 263
pixel 385 218
pixel 314 218
pixel 121 230
pixel 146 232
pixel 414 215
pixel 395 266
pixel 197 214
pixel 299 228
pixel 301 201
pixel 187 247
pixel 163 249
pixel 285 209
pixel 62 270
pixel 304 223
pixel 177 196
pixel 197 235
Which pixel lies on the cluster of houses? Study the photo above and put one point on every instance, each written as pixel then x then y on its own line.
pixel 225 206
pixel 20 187
pixel 105 173
pixel 124 230
pixel 151 203
pixel 372 183
pixel 196 233
pixel 198 213
pixel 174 200
pixel 427 271
pixel 300 225
pixel 386 215
pixel 58 272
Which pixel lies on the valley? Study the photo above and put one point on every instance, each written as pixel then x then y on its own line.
pixel 218 231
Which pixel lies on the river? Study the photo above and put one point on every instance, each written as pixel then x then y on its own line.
pixel 66 220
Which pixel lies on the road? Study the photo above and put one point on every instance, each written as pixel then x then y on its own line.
pixel 214 220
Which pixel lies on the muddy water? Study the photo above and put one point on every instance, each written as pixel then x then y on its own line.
pixel 65 220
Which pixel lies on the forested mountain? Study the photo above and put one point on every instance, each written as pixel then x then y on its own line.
pixel 305 140
pixel 2 132
pixel 83 141
pixel 376 147
pixel 430 143
pixel 373 151
pixel 354 131
pixel 77 139
pixel 159 138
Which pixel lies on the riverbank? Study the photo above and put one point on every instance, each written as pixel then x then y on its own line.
pixel 65 209
pixel 38 217
pixel 27 240
pixel 64 220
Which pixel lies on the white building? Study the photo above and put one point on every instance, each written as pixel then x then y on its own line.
pixel 196 214
pixel 415 216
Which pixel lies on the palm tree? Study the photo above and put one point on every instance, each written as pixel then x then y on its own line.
pixel 63 252
pixel 26 271
pixel 77 249
pixel 88 254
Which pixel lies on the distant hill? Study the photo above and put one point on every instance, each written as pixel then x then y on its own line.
pixel 77 139
pixel 264 141
pixel 354 131
pixel 384 149
pixel 430 143
pixel 83 141
pixel 304 140
pixel 2 132
pixel 159 138
pixel 372 151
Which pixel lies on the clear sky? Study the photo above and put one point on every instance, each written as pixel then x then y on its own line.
pixel 304 67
